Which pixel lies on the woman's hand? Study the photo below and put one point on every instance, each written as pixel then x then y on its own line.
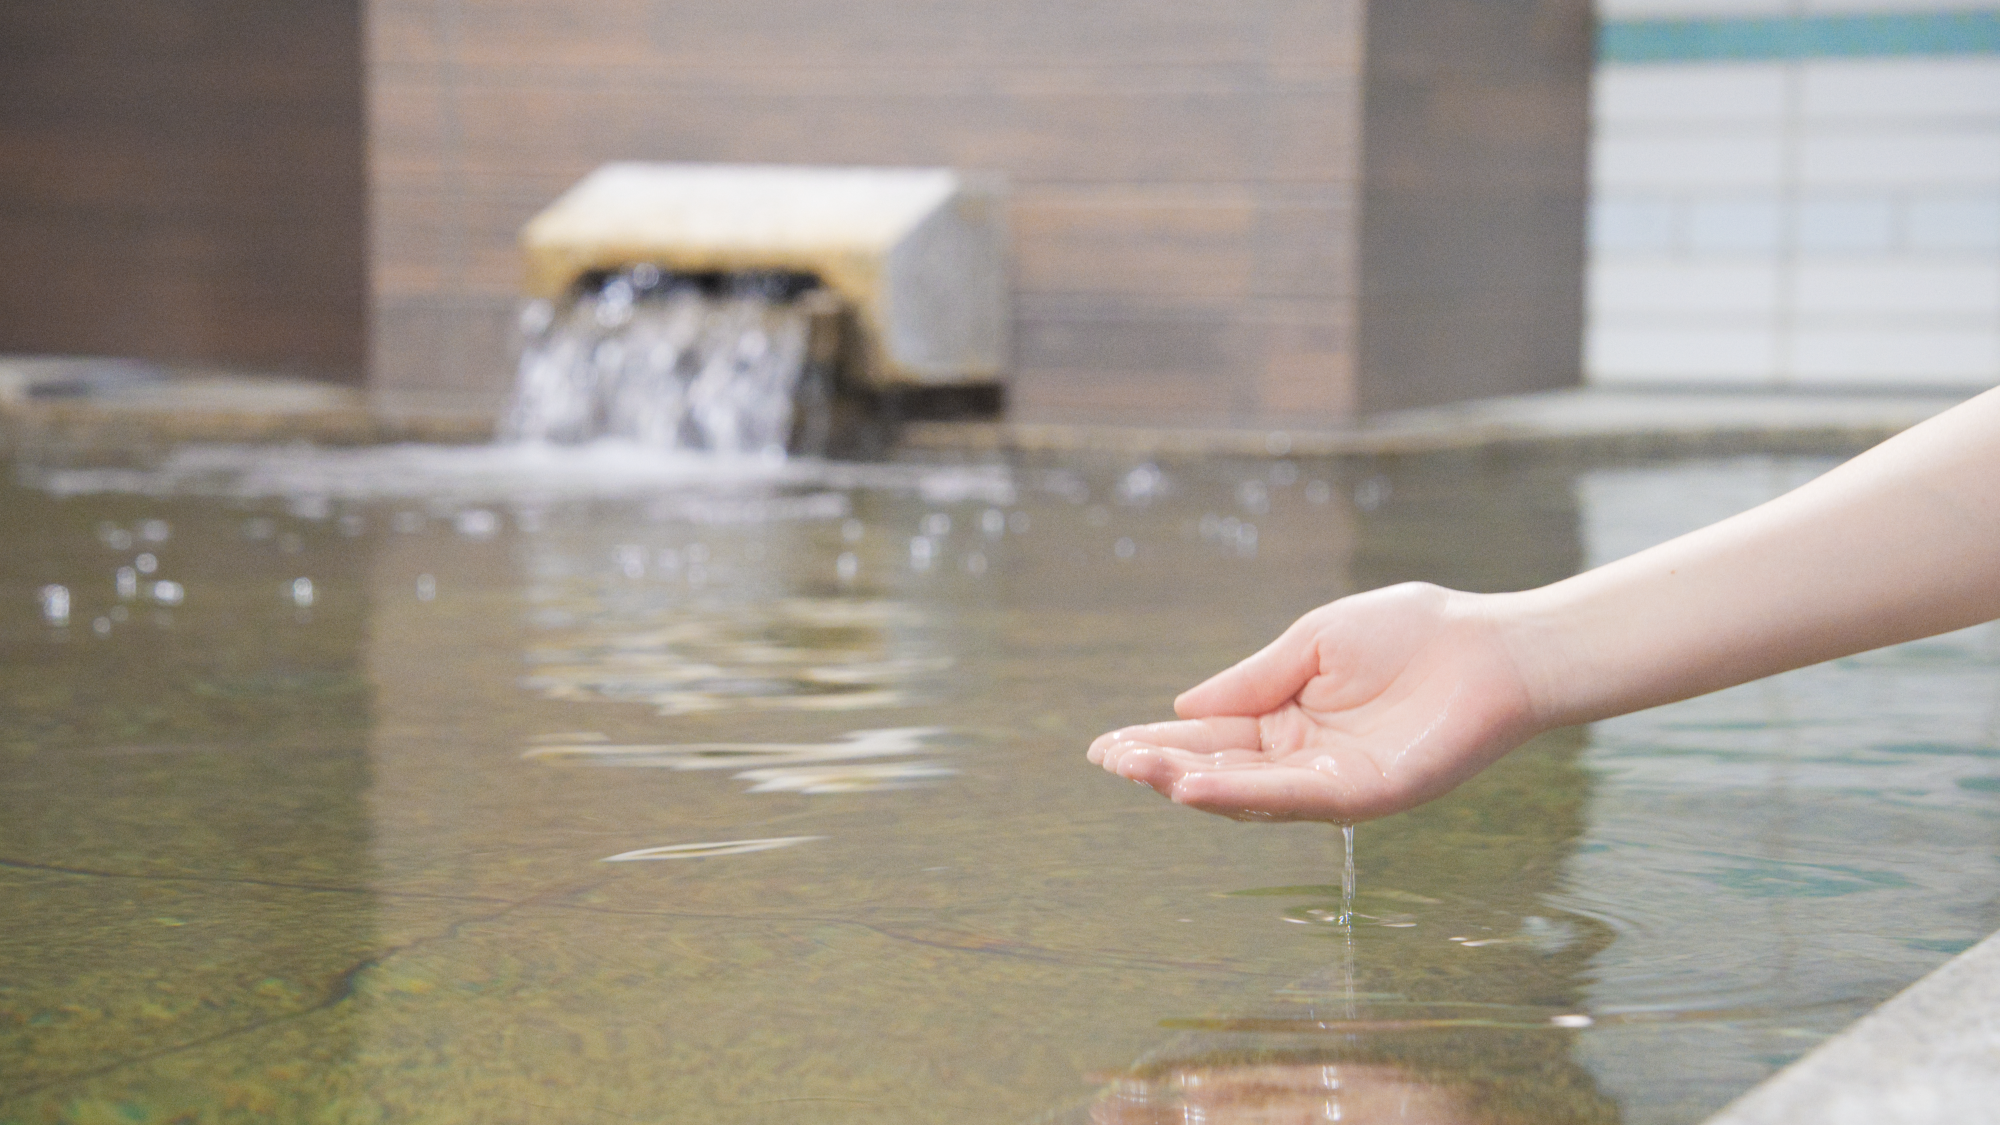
pixel 1363 708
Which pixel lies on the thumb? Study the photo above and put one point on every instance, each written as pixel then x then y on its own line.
pixel 1258 683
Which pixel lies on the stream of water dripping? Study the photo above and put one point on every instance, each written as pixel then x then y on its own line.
pixel 1347 876
pixel 663 362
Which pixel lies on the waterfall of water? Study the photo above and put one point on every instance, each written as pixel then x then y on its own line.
pixel 665 362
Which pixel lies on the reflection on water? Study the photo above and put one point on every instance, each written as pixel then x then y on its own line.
pixel 321 833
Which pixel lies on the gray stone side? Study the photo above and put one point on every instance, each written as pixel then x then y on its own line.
pixel 1475 174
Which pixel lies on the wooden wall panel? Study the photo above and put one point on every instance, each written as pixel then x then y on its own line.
pixel 1213 204
pixel 182 180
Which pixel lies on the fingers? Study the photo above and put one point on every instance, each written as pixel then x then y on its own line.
pixel 1157 754
pixel 1275 793
pixel 1261 682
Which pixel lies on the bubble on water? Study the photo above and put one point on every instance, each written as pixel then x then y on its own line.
pixel 101 626
pixel 850 531
pixel 127 582
pixel 476 523
pixel 937 524
pixel 1142 484
pixel 1372 493
pixel 55 605
pixel 921 550
pixel 975 563
pixel 146 564
pixel 169 593
pixel 1017 522
pixel 1254 497
pixel 427 587
pixel 1125 548
pixel 302 592
pixel 631 560
pixel 1318 492
pixel 993 522
pixel 847 566
pixel 155 531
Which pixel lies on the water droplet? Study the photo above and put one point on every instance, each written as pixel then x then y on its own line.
pixel 169 593
pixel 847 566
pixel 302 592
pixel 1372 493
pixel 427 587
pixel 146 564
pixel 1254 497
pixel 476 523
pixel 127 582
pixel 55 605
pixel 1125 549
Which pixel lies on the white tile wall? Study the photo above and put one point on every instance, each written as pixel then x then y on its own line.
pixel 1836 156
pixel 1900 89
pixel 1618 354
pixel 1901 357
pixel 1675 94
pixel 1834 222
pixel 1902 287
pixel 1679 161
pixel 1637 286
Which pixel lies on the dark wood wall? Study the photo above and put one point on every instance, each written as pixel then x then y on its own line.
pixel 1182 171
pixel 183 180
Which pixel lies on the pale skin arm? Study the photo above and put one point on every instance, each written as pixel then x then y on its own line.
pixel 1381 701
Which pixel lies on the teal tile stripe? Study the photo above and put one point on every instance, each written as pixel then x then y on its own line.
pixel 1799 37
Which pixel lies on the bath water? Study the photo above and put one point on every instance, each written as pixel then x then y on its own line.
pixel 543 784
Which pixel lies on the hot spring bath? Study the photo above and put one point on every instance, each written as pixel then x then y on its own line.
pixel 586 785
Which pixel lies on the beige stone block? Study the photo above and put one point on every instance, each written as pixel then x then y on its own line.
pixel 918 254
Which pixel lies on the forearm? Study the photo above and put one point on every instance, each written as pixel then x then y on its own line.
pixel 1899 543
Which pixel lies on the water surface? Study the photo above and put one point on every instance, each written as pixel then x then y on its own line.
pixel 600 789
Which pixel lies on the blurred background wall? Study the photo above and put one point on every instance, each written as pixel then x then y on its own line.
pixel 1797 193
pixel 182 181
pixel 1282 210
